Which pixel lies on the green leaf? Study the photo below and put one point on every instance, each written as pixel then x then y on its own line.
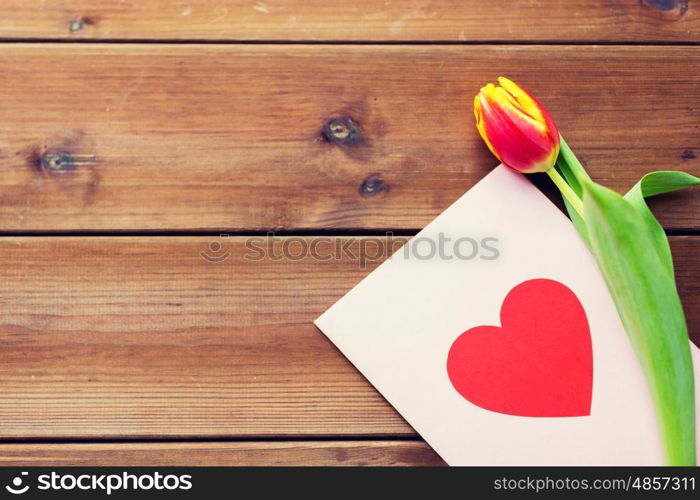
pixel 651 184
pixel 663 181
pixel 635 266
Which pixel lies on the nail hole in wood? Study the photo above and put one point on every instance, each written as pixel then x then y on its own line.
pixel 372 185
pixel 80 23
pixel 688 154
pixel 57 162
pixel 76 25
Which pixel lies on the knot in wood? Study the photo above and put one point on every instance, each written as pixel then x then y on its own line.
pixel 342 130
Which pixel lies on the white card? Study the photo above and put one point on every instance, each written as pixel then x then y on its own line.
pixel 401 323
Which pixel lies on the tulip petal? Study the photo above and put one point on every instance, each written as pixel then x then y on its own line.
pixel 481 127
pixel 530 104
pixel 498 99
pixel 515 107
pixel 519 143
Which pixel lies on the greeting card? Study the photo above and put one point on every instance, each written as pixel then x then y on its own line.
pixel 494 335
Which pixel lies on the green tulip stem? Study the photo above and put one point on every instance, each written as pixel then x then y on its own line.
pixel 566 191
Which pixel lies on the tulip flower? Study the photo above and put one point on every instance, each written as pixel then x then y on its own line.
pixel 520 132
pixel 628 243
pixel 516 128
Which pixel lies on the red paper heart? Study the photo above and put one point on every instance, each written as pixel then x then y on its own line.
pixel 539 363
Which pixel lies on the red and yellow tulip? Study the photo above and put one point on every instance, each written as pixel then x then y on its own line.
pixel 516 127
pixel 629 244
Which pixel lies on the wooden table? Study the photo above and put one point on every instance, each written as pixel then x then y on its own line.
pixel 133 133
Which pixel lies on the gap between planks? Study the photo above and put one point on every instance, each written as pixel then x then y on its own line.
pixel 216 453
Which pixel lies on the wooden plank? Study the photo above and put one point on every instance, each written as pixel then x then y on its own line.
pixel 115 337
pixel 208 137
pixel 450 20
pixel 255 453
pixel 144 338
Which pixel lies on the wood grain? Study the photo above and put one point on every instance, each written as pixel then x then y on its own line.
pixel 308 453
pixel 143 338
pixel 437 20
pixel 126 337
pixel 208 137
